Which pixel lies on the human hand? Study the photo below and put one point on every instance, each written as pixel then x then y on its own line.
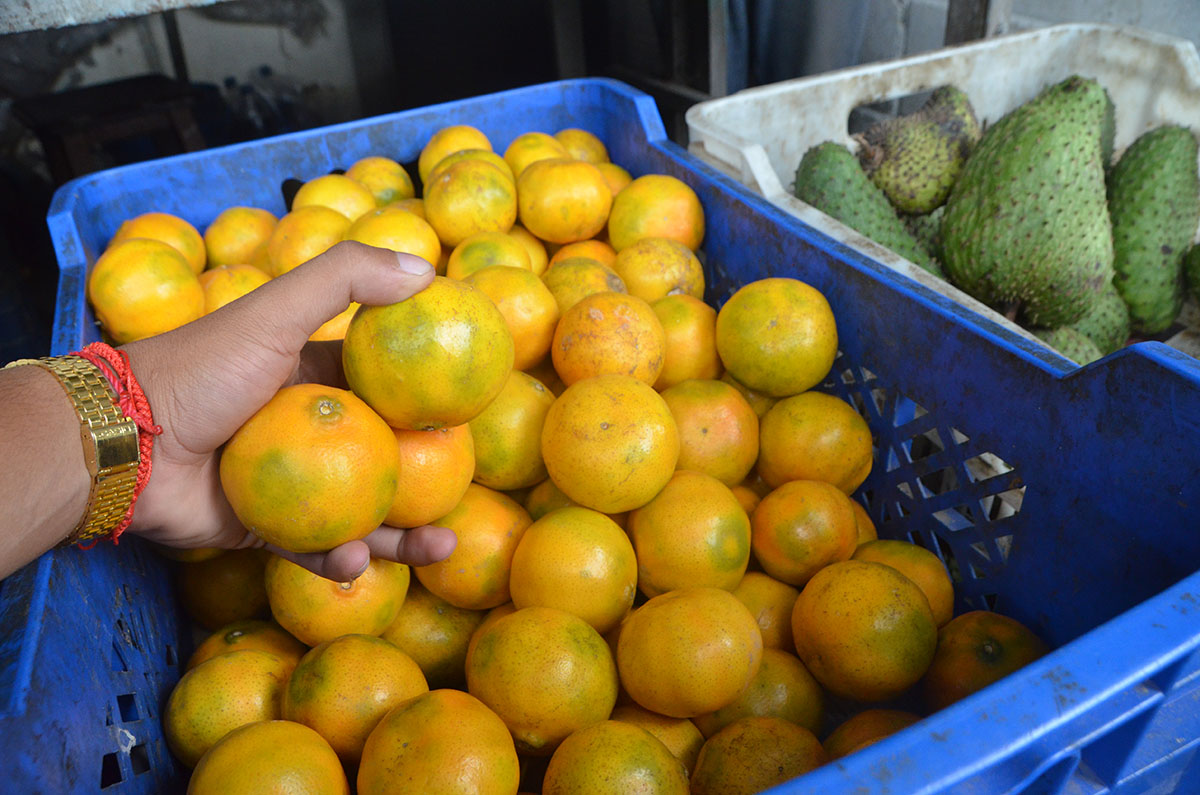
pixel 205 379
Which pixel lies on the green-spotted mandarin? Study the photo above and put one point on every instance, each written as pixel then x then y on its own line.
pixel 313 468
pixel 694 532
pixel 434 360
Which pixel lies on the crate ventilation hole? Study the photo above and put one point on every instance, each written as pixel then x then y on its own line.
pixel 933 485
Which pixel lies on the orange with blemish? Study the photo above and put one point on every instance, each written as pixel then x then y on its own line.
pixel 575 278
pixel 718 432
pixel 864 630
pixel 218 696
pixel 343 687
pixel 434 360
pixel 475 576
pixel 692 533
pixel 919 565
pixel 655 267
pixel 577 560
pixel 470 197
pixel 315 609
pixel 756 754
pixel 610 443
pixel 443 741
pixel 801 527
pixel 608 334
pixel 545 672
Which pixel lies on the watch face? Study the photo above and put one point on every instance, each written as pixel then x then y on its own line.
pixel 116 445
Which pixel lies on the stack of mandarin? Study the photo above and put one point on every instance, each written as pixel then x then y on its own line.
pixel 661 581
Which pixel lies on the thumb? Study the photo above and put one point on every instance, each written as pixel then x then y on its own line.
pixel 307 296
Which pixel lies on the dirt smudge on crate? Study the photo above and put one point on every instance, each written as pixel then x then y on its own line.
pixel 1067 691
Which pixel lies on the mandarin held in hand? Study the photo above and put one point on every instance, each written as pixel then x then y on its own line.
pixel 313 468
pixel 434 360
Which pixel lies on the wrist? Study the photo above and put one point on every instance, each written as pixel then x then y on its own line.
pixel 49 436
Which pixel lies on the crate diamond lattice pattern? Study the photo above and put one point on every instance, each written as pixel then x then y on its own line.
pixel 937 488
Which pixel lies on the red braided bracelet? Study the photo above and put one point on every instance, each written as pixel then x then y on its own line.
pixel 114 364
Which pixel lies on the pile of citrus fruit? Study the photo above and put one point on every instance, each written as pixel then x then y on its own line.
pixel 661 581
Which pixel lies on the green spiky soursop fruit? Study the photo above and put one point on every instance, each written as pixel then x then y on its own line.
pixel 1070 343
pixel 1191 271
pixel 927 229
pixel 1154 201
pixel 1107 322
pixel 915 159
pixel 1108 131
pixel 830 179
pixel 1027 222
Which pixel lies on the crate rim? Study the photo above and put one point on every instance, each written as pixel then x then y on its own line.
pixel 1184 47
pixel 1042 688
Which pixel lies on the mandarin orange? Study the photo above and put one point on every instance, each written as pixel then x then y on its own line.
pixel 313 468
pixel 610 443
pixel 545 672
pixel 432 361
pixel 315 609
pixel 434 470
pixel 276 756
pixel 343 687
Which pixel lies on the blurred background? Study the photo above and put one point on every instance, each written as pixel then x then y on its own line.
pixel 87 85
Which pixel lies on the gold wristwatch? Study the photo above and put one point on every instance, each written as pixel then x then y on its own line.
pixel 110 443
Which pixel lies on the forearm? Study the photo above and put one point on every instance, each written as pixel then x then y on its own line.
pixel 46 481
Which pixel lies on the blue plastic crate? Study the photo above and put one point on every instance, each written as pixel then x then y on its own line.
pixel 1065 498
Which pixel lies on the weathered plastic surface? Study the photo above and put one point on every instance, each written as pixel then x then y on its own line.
pixel 1088 534
pixel 759 135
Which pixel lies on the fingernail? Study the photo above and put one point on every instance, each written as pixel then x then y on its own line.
pixel 412 265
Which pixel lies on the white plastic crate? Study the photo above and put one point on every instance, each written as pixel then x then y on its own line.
pixel 759 135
